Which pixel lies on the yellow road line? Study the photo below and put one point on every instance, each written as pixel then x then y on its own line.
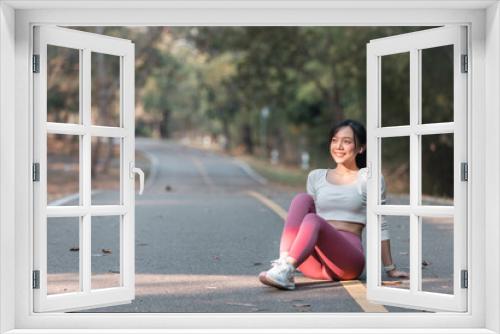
pixel 269 203
pixel 355 288
pixel 201 169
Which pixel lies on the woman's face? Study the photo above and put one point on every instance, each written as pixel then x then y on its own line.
pixel 342 146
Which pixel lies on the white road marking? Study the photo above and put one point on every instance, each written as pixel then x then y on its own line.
pixel 203 172
pixel 250 171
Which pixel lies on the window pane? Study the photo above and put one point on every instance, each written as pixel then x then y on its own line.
pixel 437 84
pixel 63 249
pixel 437 169
pixel 399 229
pixel 396 169
pixel 105 252
pixel 437 254
pixel 106 164
pixel 63 82
pixel 63 170
pixel 395 91
pixel 105 89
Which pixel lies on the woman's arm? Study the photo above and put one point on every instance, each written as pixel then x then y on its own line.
pixel 387 260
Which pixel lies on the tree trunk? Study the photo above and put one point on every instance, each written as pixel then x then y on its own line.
pixel 227 134
pixel 105 94
pixel 96 151
pixel 247 139
pixel 164 124
pixel 336 106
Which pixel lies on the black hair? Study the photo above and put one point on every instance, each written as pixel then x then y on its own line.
pixel 359 138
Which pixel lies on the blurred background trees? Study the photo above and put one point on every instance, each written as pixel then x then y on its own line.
pixel 272 90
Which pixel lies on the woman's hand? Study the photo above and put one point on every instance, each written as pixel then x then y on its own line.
pixel 398 274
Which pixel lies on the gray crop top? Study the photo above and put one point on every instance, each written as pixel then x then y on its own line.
pixel 346 202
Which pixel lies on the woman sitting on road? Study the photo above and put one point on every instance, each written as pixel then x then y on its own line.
pixel 322 232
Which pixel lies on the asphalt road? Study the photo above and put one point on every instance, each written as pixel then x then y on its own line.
pixel 201 241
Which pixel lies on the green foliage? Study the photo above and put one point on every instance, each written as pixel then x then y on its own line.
pixel 217 81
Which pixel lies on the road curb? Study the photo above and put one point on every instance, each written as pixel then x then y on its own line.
pixel 250 171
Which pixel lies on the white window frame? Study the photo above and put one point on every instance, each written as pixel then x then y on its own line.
pixel 16 18
pixel 85 44
pixel 413 44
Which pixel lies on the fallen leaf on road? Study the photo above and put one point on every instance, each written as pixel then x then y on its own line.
pixel 74 249
pixel 425 263
pixel 106 251
pixel 301 305
pixel 257 263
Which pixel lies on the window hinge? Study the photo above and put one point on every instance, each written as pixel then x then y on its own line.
pixel 464 171
pixel 36 279
pixel 465 279
pixel 465 66
pixel 36 63
pixel 36 172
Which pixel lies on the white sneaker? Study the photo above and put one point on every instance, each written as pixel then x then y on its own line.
pixel 279 276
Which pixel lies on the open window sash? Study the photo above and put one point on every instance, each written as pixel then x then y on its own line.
pixel 413 44
pixel 84 213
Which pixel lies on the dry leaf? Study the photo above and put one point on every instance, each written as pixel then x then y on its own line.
pixel 389 283
pixel 106 251
pixel 301 305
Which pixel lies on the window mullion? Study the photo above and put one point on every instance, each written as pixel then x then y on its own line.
pixel 85 254
pixel 414 170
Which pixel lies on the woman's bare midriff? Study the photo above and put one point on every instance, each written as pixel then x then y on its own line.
pixel 355 228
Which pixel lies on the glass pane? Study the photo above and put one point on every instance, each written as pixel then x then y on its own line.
pixel 437 254
pixel 437 169
pixel 395 91
pixel 63 249
pixel 63 84
pixel 105 89
pixel 63 170
pixel 437 84
pixel 105 252
pixel 399 230
pixel 396 169
pixel 105 170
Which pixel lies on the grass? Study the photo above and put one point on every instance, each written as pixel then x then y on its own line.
pixel 279 174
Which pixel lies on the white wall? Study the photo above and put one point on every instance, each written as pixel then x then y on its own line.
pixel 492 143
pixel 7 175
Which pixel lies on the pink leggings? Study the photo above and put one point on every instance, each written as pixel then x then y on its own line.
pixel 321 251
